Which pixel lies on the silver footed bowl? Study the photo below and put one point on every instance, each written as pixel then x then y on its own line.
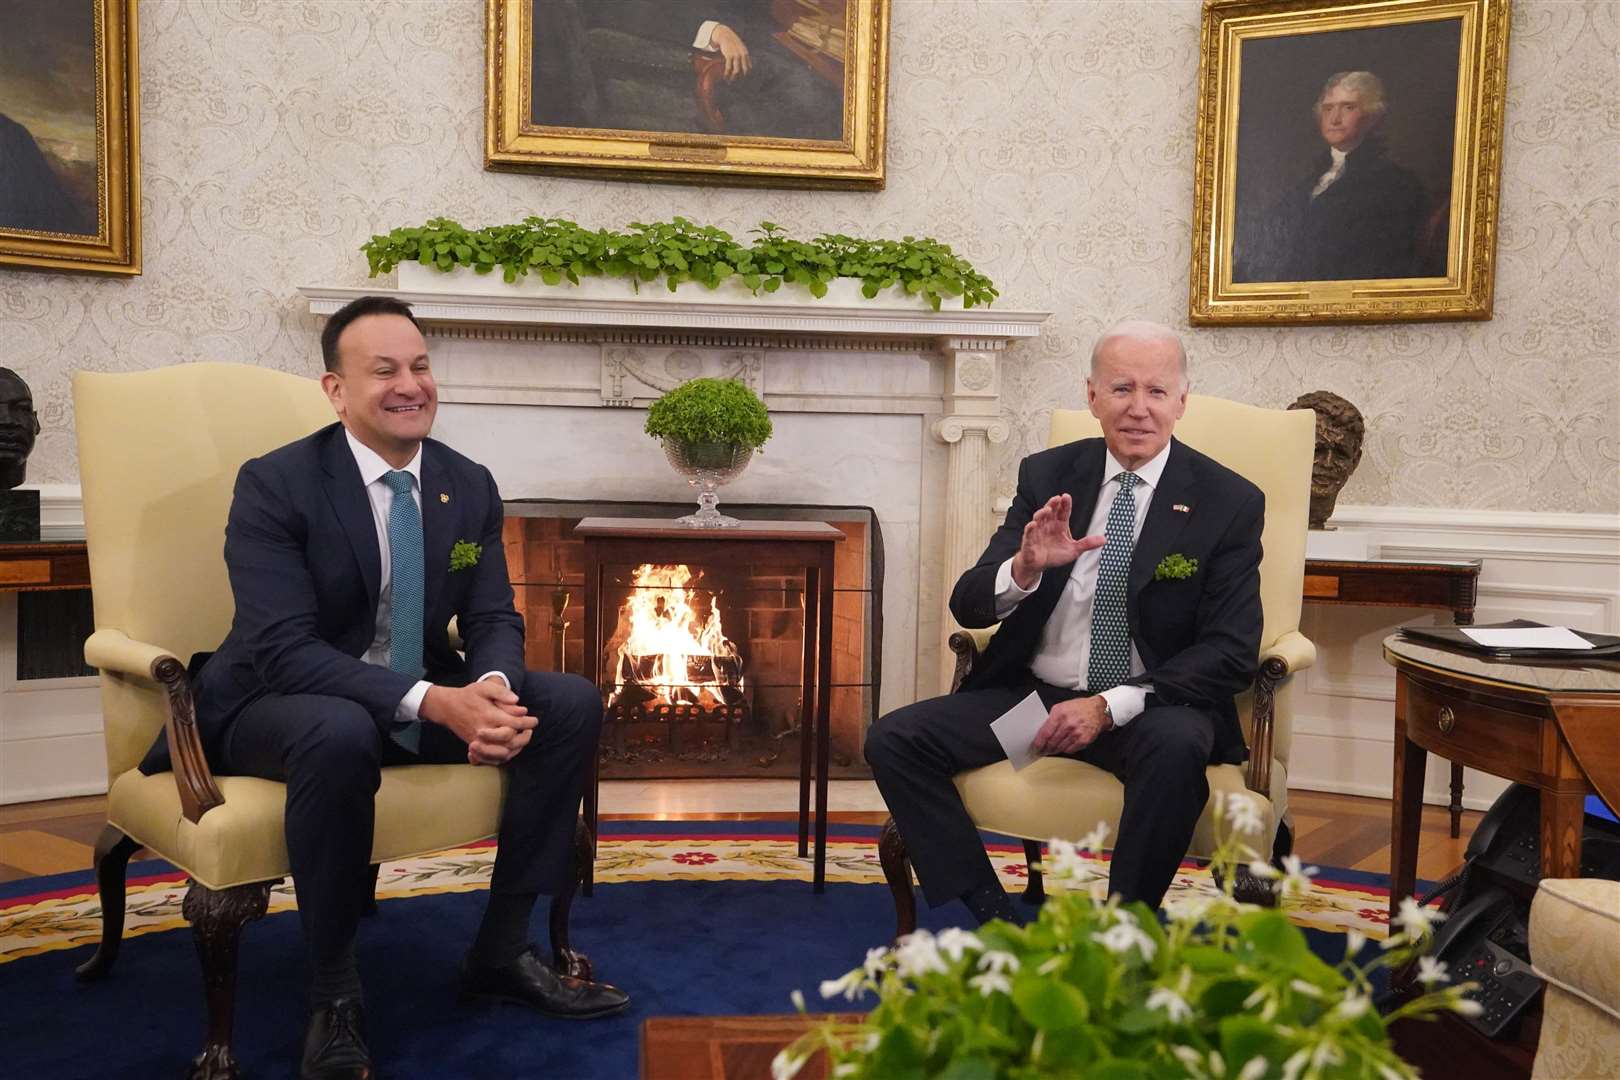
pixel 706 467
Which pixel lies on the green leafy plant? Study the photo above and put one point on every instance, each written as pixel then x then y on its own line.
pixel 1175 567
pixel 464 553
pixel 702 411
pixel 1100 989
pixel 679 251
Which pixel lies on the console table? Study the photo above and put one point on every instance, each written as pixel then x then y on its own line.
pixel 1555 726
pixel 806 544
pixel 1444 585
pixel 44 567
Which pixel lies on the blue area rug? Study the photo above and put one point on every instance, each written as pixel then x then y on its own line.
pixel 714 944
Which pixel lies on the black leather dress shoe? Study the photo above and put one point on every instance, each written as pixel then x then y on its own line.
pixel 335 1043
pixel 527 980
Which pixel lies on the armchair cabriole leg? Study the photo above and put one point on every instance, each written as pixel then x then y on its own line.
pixel 217 918
pixel 567 960
pixel 113 850
pixel 1035 886
pixel 897 872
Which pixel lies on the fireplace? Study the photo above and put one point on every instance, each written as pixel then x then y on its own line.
pixel 702 663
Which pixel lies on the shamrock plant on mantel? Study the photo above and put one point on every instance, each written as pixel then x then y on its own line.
pixel 679 251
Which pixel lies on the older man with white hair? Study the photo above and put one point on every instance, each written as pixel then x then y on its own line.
pixel 1136 635
pixel 1354 213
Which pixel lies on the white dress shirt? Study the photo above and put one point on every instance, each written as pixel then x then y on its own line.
pixel 1064 650
pixel 372 470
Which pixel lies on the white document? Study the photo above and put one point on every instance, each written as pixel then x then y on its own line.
pixel 1528 637
pixel 1016 729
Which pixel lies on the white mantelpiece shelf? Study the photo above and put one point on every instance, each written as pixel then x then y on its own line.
pixel 657 309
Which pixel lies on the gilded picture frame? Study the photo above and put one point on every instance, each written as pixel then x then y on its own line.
pixel 1348 161
pixel 776 93
pixel 70 191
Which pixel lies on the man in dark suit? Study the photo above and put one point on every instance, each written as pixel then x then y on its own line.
pixel 1136 653
pixel 349 551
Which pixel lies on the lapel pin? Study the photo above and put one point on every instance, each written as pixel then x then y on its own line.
pixel 1181 508
pixel 445 498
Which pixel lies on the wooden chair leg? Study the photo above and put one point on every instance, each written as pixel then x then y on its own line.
pixel 113 850
pixel 1035 887
pixel 371 893
pixel 217 918
pixel 897 871
pixel 565 957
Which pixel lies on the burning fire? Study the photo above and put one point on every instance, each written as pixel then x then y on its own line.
pixel 668 650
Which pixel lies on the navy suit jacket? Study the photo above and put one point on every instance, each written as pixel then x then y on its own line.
pixel 1199 637
pixel 305 570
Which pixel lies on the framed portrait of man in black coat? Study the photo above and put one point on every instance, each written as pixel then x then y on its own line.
pixel 1347 161
pixel 69 137
pixel 778 92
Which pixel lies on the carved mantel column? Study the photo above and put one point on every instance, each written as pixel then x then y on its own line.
pixel 972 422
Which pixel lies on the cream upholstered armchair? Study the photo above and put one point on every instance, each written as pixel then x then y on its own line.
pixel 158 456
pixel 1061 797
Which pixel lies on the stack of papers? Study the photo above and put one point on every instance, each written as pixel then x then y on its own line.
pixel 1526 637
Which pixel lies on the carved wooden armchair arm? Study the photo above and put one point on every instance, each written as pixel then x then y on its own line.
pixel 967 645
pixel 113 650
pixel 1290 653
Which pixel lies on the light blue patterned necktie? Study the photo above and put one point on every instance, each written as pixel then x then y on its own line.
pixel 406 589
pixel 1110 661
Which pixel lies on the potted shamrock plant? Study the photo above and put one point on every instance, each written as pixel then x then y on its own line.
pixel 709 429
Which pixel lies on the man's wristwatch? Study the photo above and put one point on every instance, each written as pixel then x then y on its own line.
pixel 1108 714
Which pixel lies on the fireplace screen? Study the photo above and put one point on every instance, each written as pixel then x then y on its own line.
pixel 702 665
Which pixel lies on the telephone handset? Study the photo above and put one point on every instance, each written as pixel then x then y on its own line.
pixel 1486 941
pixel 1507 840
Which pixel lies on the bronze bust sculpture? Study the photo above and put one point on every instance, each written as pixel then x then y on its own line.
pixel 19 510
pixel 1339 432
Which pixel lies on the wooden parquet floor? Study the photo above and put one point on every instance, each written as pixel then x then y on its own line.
pixel 1336 830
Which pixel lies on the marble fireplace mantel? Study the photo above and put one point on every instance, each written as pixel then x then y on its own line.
pixel 592 349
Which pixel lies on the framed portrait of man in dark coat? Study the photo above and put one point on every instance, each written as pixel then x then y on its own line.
pixel 1348 168
pixel 779 92
pixel 69 136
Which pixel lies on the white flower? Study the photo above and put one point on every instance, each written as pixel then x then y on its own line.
pixel 797 997
pixel 1243 812
pixel 786 1065
pixel 852 985
pixel 848 1068
pixel 1065 862
pixel 1467 1007
pixel 872 1041
pixel 954 941
pixel 1052 964
pixel 1387 1073
pixel 1353 942
pixel 991 982
pixel 1353 1006
pixel 1325 1054
pixel 1310 990
pixel 1264 870
pixel 917 954
pixel 1122 937
pixel 1191 1059
pixel 1253 1069
pixel 876 961
pixel 1392 941
pixel 1165 1000
pixel 1096 838
pixel 1296 1064
pixel 1296 876
pixel 1431 972
pixel 1417 921
pixel 998 961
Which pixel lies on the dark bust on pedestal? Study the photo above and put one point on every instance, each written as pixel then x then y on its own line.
pixel 1339 433
pixel 19 510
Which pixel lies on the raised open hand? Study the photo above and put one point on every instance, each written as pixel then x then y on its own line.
pixel 1047 542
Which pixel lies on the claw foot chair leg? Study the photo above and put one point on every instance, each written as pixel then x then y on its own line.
pixel 217 918
pixel 568 960
pixel 1035 887
pixel 897 871
pixel 113 850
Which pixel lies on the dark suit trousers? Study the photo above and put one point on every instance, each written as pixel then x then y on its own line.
pixel 329 752
pixel 1159 756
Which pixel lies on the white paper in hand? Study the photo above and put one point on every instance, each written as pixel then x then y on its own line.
pixel 1016 729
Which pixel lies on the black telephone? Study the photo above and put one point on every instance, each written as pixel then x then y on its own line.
pixel 1485 937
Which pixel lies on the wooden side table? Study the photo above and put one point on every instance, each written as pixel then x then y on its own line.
pixel 1553 726
pixel 807 544
pixel 1442 585
pixel 44 567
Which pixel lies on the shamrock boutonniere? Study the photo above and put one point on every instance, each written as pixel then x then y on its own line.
pixel 464 553
pixel 1175 568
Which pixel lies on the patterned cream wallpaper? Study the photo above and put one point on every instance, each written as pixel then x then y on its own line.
pixel 1049 140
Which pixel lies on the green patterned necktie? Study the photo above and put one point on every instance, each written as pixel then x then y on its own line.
pixel 1110 661
pixel 406 591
